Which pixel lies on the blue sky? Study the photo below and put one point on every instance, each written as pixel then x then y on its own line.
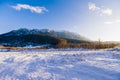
pixel 91 18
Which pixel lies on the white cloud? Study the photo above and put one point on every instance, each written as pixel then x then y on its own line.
pixel 99 10
pixel 36 9
pixel 93 7
pixel 107 11
pixel 113 22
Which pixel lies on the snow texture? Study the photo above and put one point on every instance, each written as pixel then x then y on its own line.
pixel 75 64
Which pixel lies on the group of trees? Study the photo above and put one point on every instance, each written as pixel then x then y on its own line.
pixel 90 45
pixel 37 39
pixel 31 39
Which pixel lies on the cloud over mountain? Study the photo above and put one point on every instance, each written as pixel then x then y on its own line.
pixel 100 10
pixel 35 9
pixel 113 22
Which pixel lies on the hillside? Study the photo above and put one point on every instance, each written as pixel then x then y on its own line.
pixel 35 37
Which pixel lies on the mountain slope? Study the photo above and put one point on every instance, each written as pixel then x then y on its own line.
pixel 61 34
pixel 71 35
pixel 30 39
pixel 23 37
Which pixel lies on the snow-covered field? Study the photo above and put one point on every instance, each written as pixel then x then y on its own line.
pixel 78 64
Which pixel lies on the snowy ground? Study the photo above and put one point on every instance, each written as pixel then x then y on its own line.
pixel 78 64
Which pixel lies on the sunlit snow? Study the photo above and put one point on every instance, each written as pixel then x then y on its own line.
pixel 69 64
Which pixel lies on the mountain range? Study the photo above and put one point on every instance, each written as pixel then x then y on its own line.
pixel 24 37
